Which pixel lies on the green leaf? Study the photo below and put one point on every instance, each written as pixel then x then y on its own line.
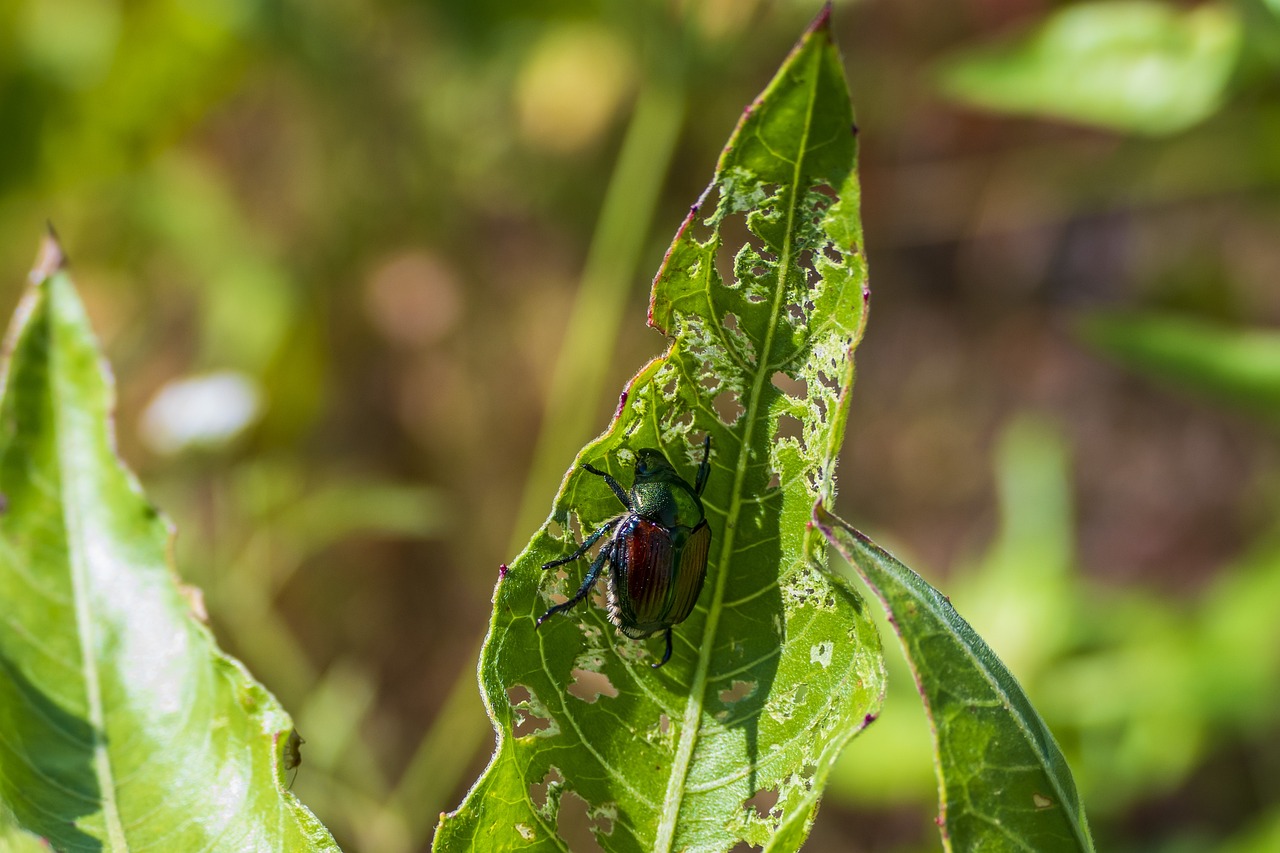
pixel 122 726
pixel 1239 366
pixel 1132 66
pixel 779 665
pixel 15 839
pixel 1003 782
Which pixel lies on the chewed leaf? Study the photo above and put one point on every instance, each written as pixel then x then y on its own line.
pixel 122 725
pixel 1004 784
pixel 762 295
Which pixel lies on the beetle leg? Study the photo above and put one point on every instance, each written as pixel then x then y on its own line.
pixel 583 591
pixel 586 544
pixel 667 656
pixel 612 483
pixel 704 470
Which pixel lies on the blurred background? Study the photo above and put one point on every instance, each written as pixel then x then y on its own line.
pixel 370 273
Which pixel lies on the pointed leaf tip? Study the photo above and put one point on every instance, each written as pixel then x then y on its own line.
pixel 821 21
pixel 50 259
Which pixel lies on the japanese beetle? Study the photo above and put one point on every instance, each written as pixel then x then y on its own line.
pixel 657 555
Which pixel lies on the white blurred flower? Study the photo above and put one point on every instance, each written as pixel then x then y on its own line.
pixel 205 411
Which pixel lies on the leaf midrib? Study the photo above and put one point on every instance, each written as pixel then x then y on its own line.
pixel 930 602
pixel 77 550
pixel 690 727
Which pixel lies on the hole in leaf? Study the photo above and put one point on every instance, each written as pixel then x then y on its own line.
pixel 667 383
pixel 530 717
pixel 554 591
pixel 545 795
pixel 734 235
pixel 789 427
pixel 820 403
pixel 664 724
pixel 574 824
pixel 590 686
pixel 525 831
pixel 775 482
pixel 738 691
pixel 763 802
pixel 728 407
pixel 805 260
pixel 789 385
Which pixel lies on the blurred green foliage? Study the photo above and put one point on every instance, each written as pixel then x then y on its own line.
pixel 1141 691
pixel 379 215
pixel 1138 65
pixel 1240 367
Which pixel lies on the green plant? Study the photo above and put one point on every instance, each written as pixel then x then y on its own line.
pixel 123 724
pixel 746 722
pixel 779 664
pixel 1137 65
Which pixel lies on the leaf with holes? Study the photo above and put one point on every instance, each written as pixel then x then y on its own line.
pixel 122 726
pixel 1004 783
pixel 763 297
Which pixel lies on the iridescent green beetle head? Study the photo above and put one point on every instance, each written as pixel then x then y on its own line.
pixel 653 467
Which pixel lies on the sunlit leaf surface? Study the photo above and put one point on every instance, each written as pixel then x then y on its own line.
pixel 122 726
pixel 763 297
pixel 1004 783
pixel 1132 66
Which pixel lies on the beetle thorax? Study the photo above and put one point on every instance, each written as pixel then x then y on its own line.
pixel 672 505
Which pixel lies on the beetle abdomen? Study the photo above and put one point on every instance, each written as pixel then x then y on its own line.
pixel 655 582
pixel 642 576
pixel 689 574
